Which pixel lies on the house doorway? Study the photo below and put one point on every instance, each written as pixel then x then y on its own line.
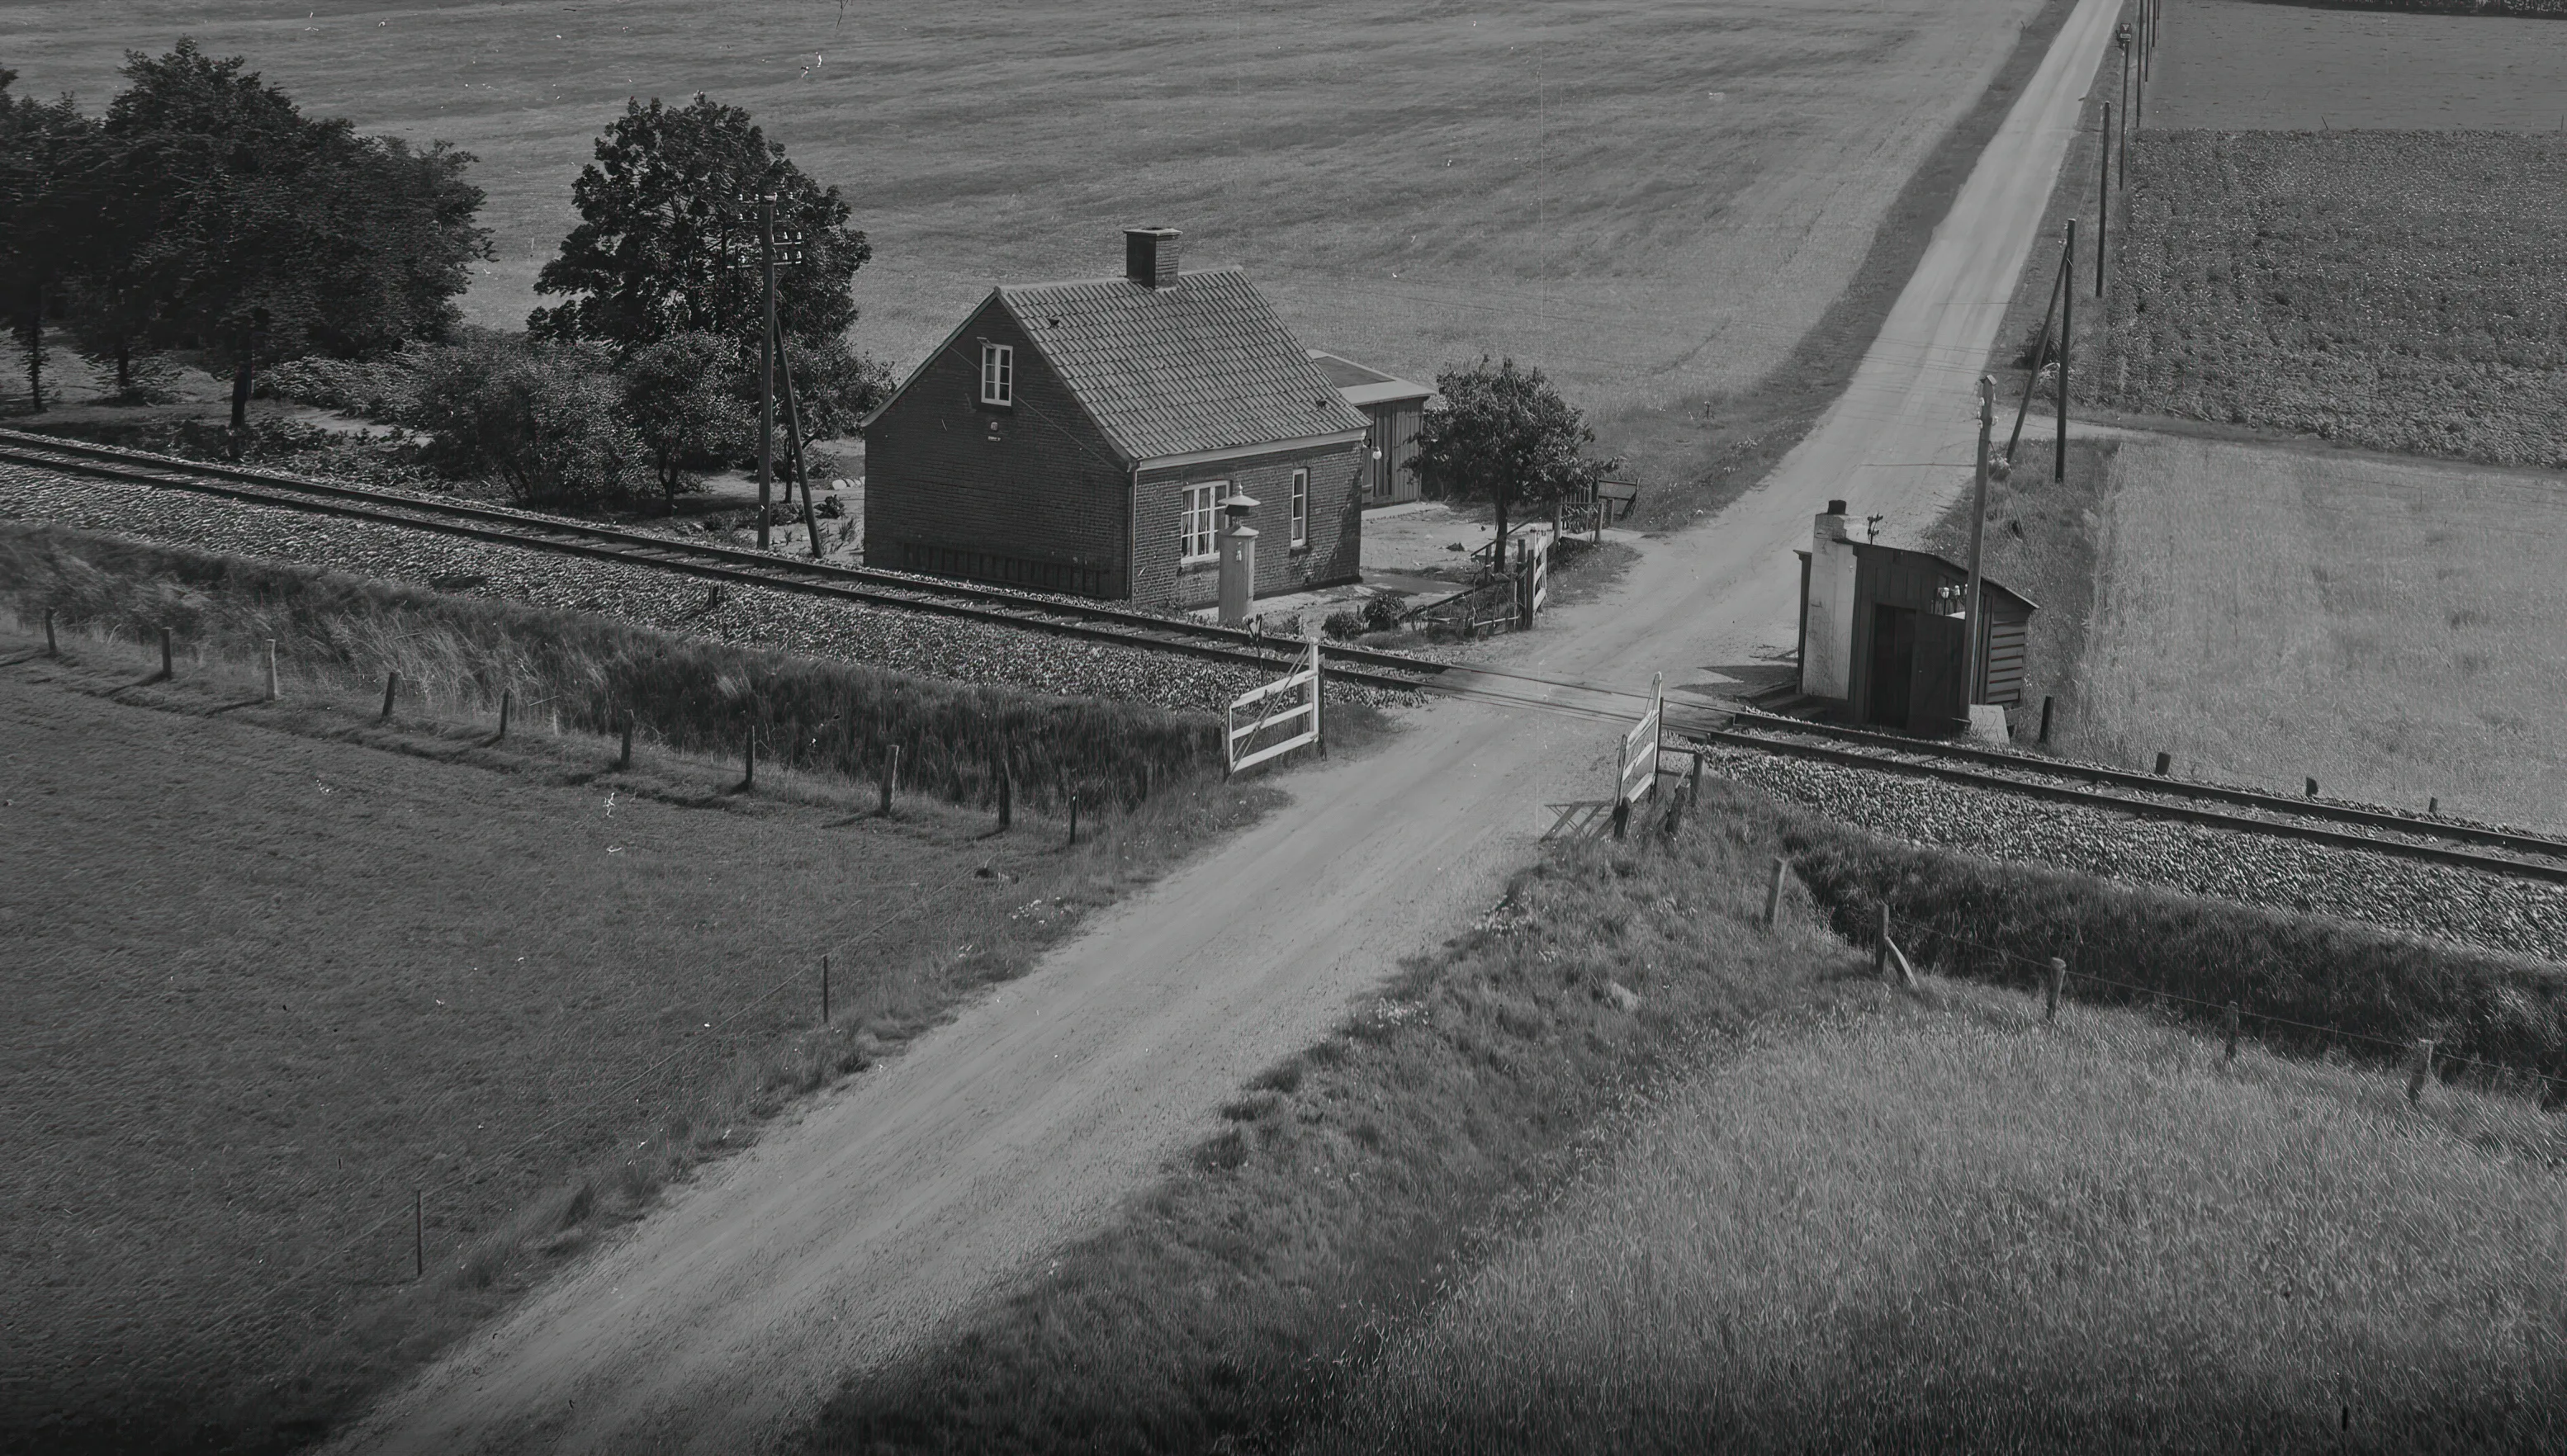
pixel 1893 663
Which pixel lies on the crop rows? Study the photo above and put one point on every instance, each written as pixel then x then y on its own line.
pixel 2396 290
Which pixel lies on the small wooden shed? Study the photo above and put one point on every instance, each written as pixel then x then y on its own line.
pixel 1904 663
pixel 1397 410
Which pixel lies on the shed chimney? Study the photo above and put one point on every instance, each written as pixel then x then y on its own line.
pixel 1150 256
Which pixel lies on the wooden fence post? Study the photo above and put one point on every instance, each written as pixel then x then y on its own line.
pixel 624 760
pixel 1006 795
pixel 1693 781
pixel 1773 894
pixel 2423 1069
pixel 2312 788
pixel 53 648
pixel 2433 805
pixel 2232 1032
pixel 507 701
pixel 2045 718
pixel 169 664
pixel 1073 823
pixel 2165 761
pixel 1621 813
pixel 749 757
pixel 272 693
pixel 891 771
pixel 392 684
pixel 2058 982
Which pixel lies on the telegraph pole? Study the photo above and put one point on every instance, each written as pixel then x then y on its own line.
pixel 2104 201
pixel 766 366
pixel 2122 39
pixel 2066 331
pixel 1978 532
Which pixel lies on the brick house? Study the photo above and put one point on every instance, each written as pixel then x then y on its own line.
pixel 1078 438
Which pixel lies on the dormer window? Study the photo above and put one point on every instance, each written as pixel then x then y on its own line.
pixel 998 375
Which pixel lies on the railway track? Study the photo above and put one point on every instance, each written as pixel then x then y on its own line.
pixel 873 587
pixel 1724 722
pixel 2344 826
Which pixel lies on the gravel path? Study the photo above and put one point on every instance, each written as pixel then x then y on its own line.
pixel 915 643
pixel 2523 916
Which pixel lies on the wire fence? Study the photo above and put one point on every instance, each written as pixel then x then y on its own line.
pixel 2038 968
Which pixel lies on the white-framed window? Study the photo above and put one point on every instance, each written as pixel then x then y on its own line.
pixel 998 374
pixel 1203 519
pixel 1300 508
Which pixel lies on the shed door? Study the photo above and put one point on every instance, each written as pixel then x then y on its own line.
pixel 1938 682
pixel 1893 663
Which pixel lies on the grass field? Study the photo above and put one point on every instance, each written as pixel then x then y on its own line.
pixel 277 970
pixel 2268 613
pixel 2391 290
pixel 2351 65
pixel 1649 201
pixel 1947 1226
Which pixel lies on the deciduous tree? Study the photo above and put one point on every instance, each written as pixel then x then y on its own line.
pixel 46 153
pixel 669 184
pixel 681 398
pixel 268 234
pixel 1502 434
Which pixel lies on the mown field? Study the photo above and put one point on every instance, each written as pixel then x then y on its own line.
pixel 2391 290
pixel 2491 65
pixel 1649 201
pixel 279 970
pixel 2268 613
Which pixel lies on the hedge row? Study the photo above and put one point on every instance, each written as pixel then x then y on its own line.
pixel 693 696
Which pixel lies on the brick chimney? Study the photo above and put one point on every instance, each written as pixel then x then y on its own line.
pixel 1150 256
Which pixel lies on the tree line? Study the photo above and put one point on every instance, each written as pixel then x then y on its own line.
pixel 204 217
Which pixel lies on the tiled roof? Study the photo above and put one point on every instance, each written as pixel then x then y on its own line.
pixel 1200 365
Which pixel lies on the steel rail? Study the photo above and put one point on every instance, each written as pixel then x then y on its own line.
pixel 2510 841
pixel 871 586
pixel 2555 874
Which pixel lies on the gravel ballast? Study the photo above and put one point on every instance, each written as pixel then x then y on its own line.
pixel 2525 917
pixel 916 642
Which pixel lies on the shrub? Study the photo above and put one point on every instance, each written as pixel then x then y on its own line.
pixel 1343 624
pixel 383 390
pixel 1381 612
pixel 545 419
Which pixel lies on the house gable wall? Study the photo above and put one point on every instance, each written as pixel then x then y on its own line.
pixel 1031 493
pixel 1335 545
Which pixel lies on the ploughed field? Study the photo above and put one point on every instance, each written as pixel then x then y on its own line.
pixel 2391 290
pixel 1644 198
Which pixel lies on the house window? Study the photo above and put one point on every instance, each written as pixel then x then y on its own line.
pixel 1300 508
pixel 998 375
pixel 1203 519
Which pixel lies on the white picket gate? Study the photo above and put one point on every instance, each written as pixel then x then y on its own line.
pixel 1639 770
pixel 1287 700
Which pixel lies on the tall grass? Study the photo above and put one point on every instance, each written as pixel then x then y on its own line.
pixel 2356 990
pixel 584 674
pixel 1965 1230
pixel 1225 1308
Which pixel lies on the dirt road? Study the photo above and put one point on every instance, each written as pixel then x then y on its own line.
pixel 722 1319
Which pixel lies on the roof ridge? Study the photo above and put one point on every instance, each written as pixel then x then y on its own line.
pixel 1182 275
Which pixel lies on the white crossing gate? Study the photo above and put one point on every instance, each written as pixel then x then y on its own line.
pixel 1639 771
pixel 1288 714
pixel 1533 563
